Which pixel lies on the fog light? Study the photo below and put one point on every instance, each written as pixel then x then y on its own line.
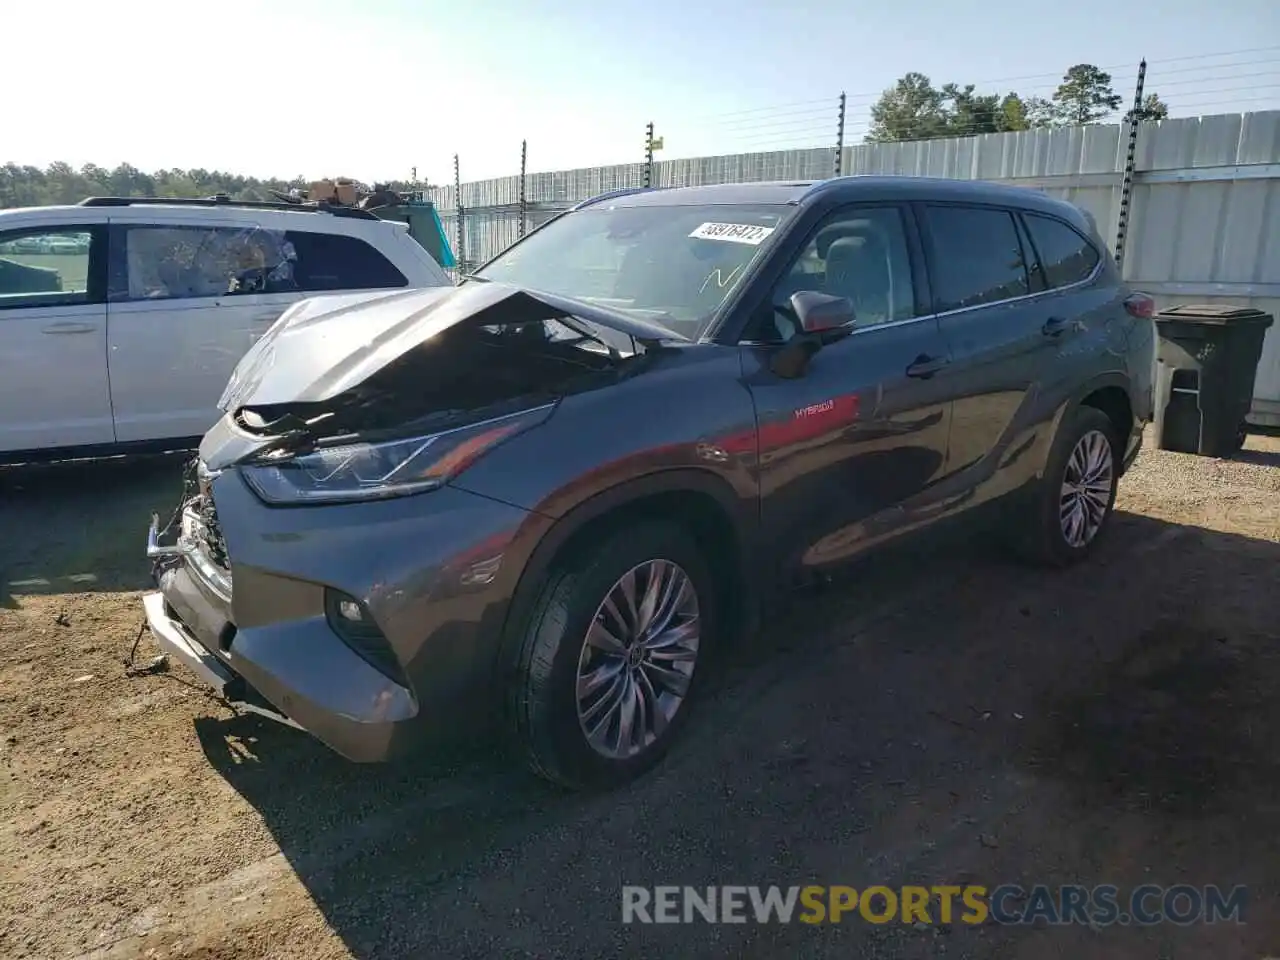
pixel 350 610
pixel 356 626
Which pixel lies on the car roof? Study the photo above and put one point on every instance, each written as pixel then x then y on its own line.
pixel 156 209
pixel 769 191
pixel 271 216
pixel 51 208
pixel 846 189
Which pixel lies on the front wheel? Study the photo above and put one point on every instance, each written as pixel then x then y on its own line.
pixel 613 655
pixel 1070 509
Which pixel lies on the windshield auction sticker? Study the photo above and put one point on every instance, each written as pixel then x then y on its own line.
pixel 747 233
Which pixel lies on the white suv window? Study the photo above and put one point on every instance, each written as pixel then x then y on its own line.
pixel 44 267
pixel 189 262
pixel 334 261
pixel 166 263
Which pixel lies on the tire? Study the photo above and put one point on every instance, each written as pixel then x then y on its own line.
pixel 547 717
pixel 1041 534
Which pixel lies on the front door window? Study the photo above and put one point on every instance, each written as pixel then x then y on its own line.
pixel 860 253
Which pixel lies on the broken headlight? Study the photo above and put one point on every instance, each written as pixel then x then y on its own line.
pixel 378 470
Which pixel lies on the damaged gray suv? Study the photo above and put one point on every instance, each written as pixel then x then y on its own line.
pixel 545 496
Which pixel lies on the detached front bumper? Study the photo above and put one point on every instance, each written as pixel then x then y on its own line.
pixel 189 616
pixel 172 638
pixel 248 598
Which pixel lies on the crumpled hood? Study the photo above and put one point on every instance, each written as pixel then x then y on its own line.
pixel 324 346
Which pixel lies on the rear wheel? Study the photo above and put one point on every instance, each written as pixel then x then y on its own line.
pixel 1070 509
pixel 612 657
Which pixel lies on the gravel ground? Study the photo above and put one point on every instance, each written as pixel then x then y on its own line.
pixel 940 715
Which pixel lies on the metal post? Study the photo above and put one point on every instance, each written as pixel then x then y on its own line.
pixel 457 206
pixel 840 136
pixel 524 207
pixel 648 155
pixel 1126 186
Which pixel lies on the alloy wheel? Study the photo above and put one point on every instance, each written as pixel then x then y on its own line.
pixel 638 659
pixel 1086 489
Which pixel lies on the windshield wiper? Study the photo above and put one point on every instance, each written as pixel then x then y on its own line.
pixel 583 330
pixel 660 317
pixel 475 277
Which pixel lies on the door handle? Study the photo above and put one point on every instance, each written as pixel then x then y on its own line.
pixel 267 317
pixel 1055 326
pixel 70 327
pixel 925 366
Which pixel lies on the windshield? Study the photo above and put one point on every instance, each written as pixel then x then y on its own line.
pixel 671 264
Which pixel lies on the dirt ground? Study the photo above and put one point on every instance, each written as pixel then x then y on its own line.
pixel 941 715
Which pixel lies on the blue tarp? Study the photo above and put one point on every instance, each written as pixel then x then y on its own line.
pixel 417 213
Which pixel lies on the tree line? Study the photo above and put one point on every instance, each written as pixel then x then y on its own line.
pixel 914 109
pixel 28 186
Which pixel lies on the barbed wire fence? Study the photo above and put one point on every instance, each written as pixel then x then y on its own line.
pixel 819 137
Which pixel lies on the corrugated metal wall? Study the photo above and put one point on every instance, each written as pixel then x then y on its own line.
pixel 1205 224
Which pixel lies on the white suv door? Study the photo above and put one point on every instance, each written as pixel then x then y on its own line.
pixel 185 302
pixel 53 331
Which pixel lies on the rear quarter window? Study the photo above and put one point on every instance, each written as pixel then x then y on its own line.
pixel 1065 256
pixel 329 261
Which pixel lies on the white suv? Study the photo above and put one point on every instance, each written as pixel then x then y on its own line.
pixel 122 319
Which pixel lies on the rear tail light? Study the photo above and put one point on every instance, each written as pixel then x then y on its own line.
pixel 1141 306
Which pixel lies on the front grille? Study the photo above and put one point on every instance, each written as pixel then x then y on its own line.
pixel 200 538
pixel 211 532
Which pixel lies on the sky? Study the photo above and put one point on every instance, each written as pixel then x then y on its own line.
pixel 375 88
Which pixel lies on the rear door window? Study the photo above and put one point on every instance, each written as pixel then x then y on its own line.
pixel 330 261
pixel 191 263
pixel 977 256
pixel 1065 255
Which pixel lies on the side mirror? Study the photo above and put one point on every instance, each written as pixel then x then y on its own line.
pixel 822 313
pixel 822 318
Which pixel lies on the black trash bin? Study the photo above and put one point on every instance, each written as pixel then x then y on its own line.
pixel 1206 364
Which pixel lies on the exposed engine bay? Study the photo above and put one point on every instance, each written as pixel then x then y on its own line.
pixel 466 374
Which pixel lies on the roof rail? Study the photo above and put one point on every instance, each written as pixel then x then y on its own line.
pixel 624 192
pixel 222 200
pixel 816 187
